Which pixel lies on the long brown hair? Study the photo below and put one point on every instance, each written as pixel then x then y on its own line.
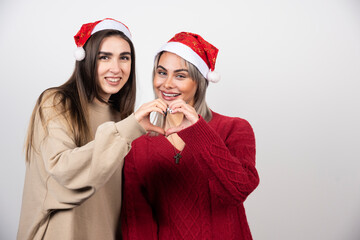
pixel 71 99
pixel 202 83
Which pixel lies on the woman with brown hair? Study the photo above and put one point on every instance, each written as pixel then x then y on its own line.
pixel 78 136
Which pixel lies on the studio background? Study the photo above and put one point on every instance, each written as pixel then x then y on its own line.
pixel 291 68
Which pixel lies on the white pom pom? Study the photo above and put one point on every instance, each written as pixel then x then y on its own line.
pixel 213 76
pixel 79 54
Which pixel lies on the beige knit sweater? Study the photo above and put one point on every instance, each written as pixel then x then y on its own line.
pixel 75 192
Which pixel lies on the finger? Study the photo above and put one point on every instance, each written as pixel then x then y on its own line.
pixel 177 103
pixel 145 106
pixel 156 103
pixel 187 110
pixel 146 111
pixel 190 116
pixel 182 105
pixel 161 103
pixel 156 129
pixel 162 106
pixel 183 108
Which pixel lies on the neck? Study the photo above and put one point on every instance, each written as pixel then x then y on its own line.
pixel 98 102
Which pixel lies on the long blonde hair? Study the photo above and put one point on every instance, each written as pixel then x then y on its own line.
pixel 72 98
pixel 200 104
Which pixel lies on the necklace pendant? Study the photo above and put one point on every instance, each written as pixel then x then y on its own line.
pixel 177 158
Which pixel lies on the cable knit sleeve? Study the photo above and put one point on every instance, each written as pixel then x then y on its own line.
pixel 137 221
pixel 72 174
pixel 226 153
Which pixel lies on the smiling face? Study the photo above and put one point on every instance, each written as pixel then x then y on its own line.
pixel 172 80
pixel 113 65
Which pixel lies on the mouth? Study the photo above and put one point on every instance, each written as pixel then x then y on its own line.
pixel 113 80
pixel 170 95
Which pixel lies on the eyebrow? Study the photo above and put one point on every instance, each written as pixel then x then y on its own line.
pixel 110 54
pixel 177 70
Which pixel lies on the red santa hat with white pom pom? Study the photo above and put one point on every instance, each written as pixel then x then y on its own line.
pixel 194 49
pixel 89 29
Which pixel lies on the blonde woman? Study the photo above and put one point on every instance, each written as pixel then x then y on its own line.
pixel 192 182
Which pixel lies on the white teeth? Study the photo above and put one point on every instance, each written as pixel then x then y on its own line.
pixel 171 95
pixel 113 79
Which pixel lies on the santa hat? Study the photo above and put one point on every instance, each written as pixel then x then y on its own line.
pixel 194 49
pixel 89 29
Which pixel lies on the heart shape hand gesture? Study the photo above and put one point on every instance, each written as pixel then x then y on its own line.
pixel 142 115
pixel 190 115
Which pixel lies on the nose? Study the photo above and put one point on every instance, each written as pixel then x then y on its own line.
pixel 169 83
pixel 115 66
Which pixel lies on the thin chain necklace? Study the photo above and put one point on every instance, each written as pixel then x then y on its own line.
pixel 177 155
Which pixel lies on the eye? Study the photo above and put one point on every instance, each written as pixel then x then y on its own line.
pixel 125 58
pixel 161 73
pixel 181 76
pixel 103 57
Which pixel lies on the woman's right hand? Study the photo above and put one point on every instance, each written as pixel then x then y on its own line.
pixel 142 115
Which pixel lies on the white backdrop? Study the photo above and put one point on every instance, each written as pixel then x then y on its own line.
pixel 291 68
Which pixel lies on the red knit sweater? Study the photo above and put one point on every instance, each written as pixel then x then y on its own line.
pixel 202 196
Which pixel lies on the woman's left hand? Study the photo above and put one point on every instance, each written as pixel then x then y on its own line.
pixel 190 115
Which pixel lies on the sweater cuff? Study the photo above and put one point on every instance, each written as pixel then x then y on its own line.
pixel 199 135
pixel 129 128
